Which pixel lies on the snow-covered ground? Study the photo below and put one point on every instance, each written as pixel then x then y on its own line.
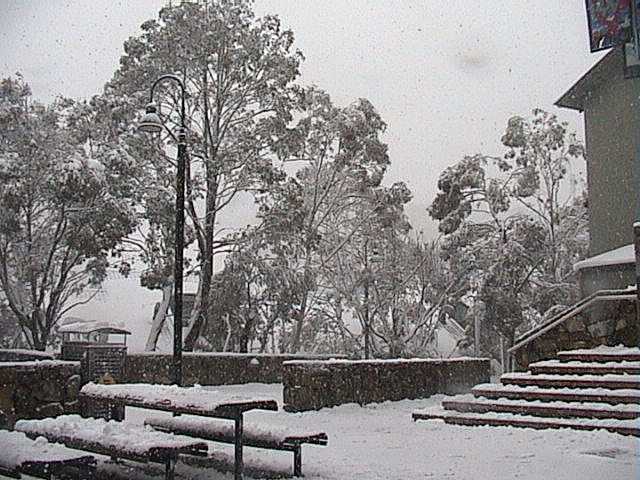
pixel 381 442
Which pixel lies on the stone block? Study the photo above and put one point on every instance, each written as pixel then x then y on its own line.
pixel 72 388
pixel 53 409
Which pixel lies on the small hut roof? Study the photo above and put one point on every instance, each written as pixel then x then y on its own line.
pixel 83 325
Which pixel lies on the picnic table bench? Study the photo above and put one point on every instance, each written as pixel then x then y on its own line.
pixel 253 435
pixel 114 439
pixel 181 400
pixel 39 458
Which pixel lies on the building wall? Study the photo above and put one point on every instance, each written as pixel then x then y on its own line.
pixel 612 129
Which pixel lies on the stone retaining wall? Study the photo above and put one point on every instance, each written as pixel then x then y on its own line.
pixel 311 385
pixel 38 389
pixel 605 323
pixel 211 368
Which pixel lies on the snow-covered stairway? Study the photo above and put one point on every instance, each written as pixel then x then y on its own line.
pixel 582 390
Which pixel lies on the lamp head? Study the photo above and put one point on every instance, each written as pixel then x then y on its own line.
pixel 151 122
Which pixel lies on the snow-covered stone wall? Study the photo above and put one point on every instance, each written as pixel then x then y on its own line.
pixel 38 389
pixel 18 355
pixel 311 385
pixel 212 368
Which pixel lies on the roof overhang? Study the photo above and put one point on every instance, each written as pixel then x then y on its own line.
pixel 576 97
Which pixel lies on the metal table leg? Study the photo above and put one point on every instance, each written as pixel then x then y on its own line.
pixel 238 447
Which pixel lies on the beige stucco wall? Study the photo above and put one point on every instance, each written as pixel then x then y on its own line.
pixel 612 128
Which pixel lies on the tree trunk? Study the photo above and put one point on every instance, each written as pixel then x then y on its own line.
pixel 159 318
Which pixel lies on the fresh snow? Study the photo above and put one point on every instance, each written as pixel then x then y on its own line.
pixel 578 363
pixel 208 427
pixel 620 366
pixel 604 349
pixel 626 407
pixel 618 256
pixel 341 361
pixel 608 377
pixel 37 363
pixel 622 392
pixel 18 449
pixel 181 398
pixel 381 442
pixel 122 436
pixel 598 422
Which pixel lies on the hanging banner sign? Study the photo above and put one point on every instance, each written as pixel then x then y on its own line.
pixel 610 23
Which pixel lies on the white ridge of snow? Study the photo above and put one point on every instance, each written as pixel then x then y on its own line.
pixel 622 392
pixel 610 377
pixel 123 436
pixel 597 422
pixel 578 363
pixel 340 361
pixel 211 427
pixel 24 351
pixel 605 407
pixel 174 396
pixel 617 256
pixel 616 350
pixel 38 363
pixel 17 449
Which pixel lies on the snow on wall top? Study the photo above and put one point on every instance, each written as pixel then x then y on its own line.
pixel 17 449
pixel 38 363
pixel 169 396
pixel 618 256
pixel 398 361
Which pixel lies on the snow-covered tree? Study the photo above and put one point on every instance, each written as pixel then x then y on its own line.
pixel 238 71
pixel 63 210
pixel 517 223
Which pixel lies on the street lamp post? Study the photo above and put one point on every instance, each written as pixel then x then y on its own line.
pixel 151 123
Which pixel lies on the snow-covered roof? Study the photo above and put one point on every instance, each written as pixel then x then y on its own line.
pixel 618 256
pixel 82 325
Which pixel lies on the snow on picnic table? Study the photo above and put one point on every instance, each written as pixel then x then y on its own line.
pixel 184 398
pixel 121 436
pixel 381 442
pixel 18 449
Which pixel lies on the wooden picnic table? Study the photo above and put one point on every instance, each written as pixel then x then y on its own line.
pixel 182 400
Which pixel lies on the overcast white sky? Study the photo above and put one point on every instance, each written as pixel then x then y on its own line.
pixel 445 75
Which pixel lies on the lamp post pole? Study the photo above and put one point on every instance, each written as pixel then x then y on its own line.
pixel 151 123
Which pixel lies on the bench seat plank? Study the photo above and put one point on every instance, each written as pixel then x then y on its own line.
pixel 254 435
pixel 21 454
pixel 116 439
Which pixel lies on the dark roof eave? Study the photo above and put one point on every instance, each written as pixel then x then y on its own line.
pixel 575 97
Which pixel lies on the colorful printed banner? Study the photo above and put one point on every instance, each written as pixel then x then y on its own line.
pixel 609 23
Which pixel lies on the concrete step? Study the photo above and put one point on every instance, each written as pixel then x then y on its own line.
pixel 608 381
pixel 585 368
pixel 602 354
pixel 625 427
pixel 598 395
pixel 468 403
